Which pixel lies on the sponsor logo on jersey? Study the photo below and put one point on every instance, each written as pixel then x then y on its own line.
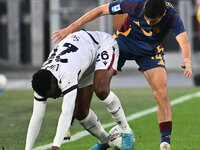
pixel 116 8
pixel 105 63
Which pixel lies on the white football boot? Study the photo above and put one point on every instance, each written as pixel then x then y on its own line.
pixel 164 146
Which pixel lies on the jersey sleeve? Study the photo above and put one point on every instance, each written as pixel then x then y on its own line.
pixel 38 97
pixel 125 6
pixel 35 123
pixel 69 82
pixel 65 118
pixel 175 22
pixel 115 7
pixel 178 28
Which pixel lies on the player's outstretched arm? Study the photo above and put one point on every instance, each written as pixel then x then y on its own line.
pixel 91 15
pixel 35 123
pixel 65 118
pixel 186 52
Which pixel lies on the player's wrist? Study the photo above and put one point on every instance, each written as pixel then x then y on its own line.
pixel 54 148
pixel 74 26
pixel 187 60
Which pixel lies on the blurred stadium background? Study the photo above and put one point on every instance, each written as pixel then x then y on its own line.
pixel 26 27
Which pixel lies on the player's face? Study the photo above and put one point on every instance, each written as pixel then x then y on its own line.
pixel 152 21
pixel 55 91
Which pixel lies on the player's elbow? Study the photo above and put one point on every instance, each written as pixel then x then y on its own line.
pixel 103 9
pixel 182 38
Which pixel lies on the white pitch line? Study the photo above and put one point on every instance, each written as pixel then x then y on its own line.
pixel 82 134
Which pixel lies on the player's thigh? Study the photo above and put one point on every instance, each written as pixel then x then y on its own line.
pixel 106 64
pixel 83 101
pixel 102 78
pixel 156 77
pixel 107 57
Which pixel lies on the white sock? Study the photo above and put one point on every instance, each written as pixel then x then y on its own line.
pixel 113 106
pixel 92 124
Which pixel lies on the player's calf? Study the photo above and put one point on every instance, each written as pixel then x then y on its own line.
pixel 92 124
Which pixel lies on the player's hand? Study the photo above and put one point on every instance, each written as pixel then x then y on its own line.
pixel 54 148
pixel 188 67
pixel 61 34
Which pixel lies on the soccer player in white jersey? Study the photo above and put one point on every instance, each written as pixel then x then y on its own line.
pixel 83 62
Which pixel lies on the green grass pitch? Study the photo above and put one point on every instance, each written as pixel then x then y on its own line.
pixel 16 110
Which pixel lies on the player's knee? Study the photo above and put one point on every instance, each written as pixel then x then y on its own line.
pixel 101 92
pixel 81 114
pixel 160 94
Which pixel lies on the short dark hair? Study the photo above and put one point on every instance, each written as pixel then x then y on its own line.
pixel 41 81
pixel 154 8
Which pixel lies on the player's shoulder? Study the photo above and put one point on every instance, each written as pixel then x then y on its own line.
pixel 129 2
pixel 172 17
pixel 170 8
pixel 105 38
pixel 171 11
pixel 103 34
pixel 100 36
pixel 168 4
pixel 132 3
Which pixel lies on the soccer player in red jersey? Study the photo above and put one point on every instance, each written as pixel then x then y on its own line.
pixel 140 39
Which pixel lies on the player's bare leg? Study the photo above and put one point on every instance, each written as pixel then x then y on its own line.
pixel 157 79
pixel 112 103
pixel 87 117
pixel 102 80
pixel 83 100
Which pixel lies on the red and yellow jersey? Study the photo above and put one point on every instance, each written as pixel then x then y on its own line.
pixel 136 38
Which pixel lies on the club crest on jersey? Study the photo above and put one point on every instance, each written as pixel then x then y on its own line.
pixel 116 8
pixel 156 30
